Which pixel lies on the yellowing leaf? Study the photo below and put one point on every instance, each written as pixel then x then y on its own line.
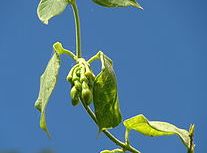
pixel 118 3
pixel 140 124
pixel 47 83
pixel 105 97
pixel 50 8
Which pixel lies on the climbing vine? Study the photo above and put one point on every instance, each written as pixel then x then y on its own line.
pixel 97 90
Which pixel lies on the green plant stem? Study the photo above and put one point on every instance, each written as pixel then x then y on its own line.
pixel 77 27
pixel 127 136
pixel 108 134
pixel 69 53
pixel 87 108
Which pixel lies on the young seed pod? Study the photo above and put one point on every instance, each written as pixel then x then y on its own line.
pixel 74 94
pixel 90 81
pixel 85 85
pixel 75 76
pixel 88 73
pixel 86 94
pixel 77 85
pixel 70 74
pixel 75 101
pixel 78 72
pixel 83 78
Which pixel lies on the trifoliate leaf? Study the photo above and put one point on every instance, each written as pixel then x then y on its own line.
pixel 140 124
pixel 105 97
pixel 50 8
pixel 47 83
pixel 118 3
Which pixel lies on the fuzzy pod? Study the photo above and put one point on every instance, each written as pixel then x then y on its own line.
pixel 83 78
pixel 77 85
pixel 85 85
pixel 70 74
pixel 86 96
pixel 86 93
pixel 88 73
pixel 74 94
pixel 75 76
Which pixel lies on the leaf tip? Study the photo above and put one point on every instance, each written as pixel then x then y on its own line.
pixel 192 129
pixel 42 20
pixel 43 124
pixel 137 5
pixel 45 22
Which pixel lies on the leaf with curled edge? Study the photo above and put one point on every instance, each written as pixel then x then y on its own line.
pixel 118 3
pixel 140 124
pixel 47 84
pixel 105 97
pixel 50 8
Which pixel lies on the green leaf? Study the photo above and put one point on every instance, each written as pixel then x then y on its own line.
pixel 47 83
pixel 105 97
pixel 50 8
pixel 140 124
pixel 118 3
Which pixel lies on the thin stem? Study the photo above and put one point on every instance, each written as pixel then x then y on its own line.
pixel 99 55
pixel 87 108
pixel 77 27
pixel 127 137
pixel 69 53
pixel 108 134
pixel 60 50
pixel 93 58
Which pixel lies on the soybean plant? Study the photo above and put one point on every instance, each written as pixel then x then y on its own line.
pixel 98 90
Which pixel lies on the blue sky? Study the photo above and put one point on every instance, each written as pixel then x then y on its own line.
pixel 159 57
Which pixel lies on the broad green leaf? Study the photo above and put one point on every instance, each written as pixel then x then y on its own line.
pixel 50 8
pixel 105 97
pixel 140 124
pixel 118 3
pixel 47 83
pixel 113 151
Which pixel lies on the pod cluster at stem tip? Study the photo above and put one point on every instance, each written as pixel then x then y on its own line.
pixel 81 78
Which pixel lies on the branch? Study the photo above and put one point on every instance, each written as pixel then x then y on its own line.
pixel 108 134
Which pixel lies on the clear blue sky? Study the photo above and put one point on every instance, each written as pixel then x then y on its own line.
pixel 159 54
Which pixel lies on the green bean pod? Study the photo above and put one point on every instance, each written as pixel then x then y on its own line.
pixel 86 94
pixel 77 85
pixel 83 78
pixel 75 76
pixel 74 94
pixel 88 73
pixel 70 74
